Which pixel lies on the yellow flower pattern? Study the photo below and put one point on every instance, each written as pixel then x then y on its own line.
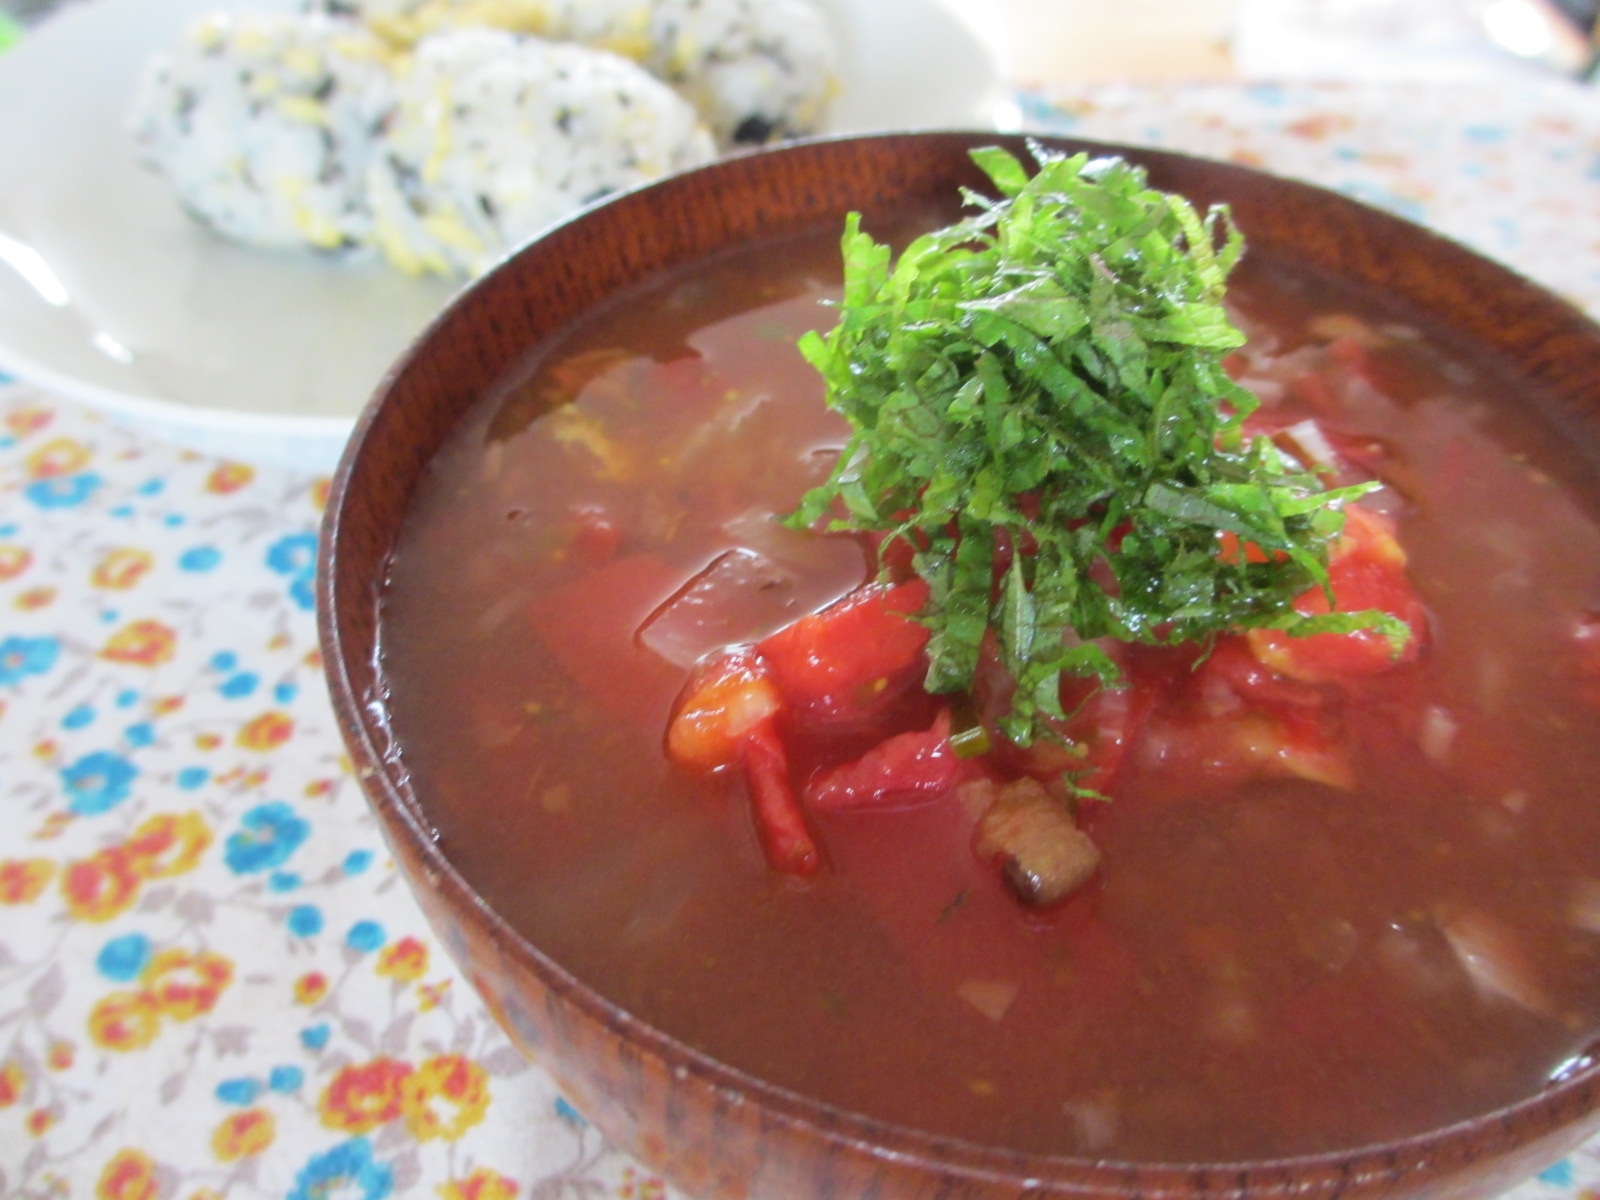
pixel 404 961
pixel 243 1134
pixel 168 844
pixel 146 643
pixel 100 887
pixel 482 1184
pixel 22 880
pixel 121 568
pixel 129 1175
pixel 12 1082
pixel 444 1097
pixel 203 942
pixel 125 1020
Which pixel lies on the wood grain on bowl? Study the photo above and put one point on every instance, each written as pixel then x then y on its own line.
pixel 715 1130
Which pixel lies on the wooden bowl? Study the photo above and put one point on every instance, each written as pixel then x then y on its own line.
pixel 712 1130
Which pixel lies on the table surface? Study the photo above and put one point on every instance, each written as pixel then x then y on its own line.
pixel 1072 42
pixel 212 981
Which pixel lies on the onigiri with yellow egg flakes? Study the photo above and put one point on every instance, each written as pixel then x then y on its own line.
pixel 496 136
pixel 755 70
pixel 443 133
pixel 265 123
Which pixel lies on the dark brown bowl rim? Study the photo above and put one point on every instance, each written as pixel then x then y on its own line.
pixel 1327 1173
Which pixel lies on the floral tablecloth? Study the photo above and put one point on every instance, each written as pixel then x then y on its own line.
pixel 212 982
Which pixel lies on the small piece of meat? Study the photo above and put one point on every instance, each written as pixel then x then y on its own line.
pixel 1041 852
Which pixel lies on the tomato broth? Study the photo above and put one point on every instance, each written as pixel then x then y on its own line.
pixel 1264 964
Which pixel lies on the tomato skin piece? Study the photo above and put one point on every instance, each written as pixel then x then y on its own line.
pixel 727 716
pixel 1102 725
pixel 854 658
pixel 906 769
pixel 1230 549
pixel 1233 665
pixel 1110 721
pixel 781 826
pixel 1367 570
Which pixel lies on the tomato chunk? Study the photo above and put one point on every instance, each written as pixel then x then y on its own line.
pixel 854 658
pixel 1367 570
pixel 1232 675
pixel 1102 722
pixel 904 769
pixel 727 696
pixel 727 716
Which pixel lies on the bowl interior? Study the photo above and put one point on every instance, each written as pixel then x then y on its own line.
pixel 489 330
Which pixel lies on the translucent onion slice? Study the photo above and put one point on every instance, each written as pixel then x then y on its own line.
pixel 1493 958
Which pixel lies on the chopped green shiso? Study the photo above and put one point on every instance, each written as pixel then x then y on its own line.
pixel 1047 373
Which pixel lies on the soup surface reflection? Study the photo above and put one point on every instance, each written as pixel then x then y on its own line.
pixel 1260 968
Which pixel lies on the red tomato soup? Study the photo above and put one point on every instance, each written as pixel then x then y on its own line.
pixel 1338 900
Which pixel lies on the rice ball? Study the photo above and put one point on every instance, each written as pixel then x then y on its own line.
pixel 264 124
pixel 755 69
pixel 496 136
pixel 407 22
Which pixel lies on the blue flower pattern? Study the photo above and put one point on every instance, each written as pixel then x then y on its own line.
pixel 268 835
pixel 296 557
pixel 22 656
pixel 63 491
pixel 334 1173
pixel 98 782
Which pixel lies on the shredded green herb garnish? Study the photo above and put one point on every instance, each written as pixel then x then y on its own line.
pixel 1047 374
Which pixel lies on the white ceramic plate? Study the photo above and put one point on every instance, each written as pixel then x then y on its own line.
pixel 110 294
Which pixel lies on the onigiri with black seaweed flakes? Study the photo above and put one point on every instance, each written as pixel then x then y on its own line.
pixel 496 136
pixel 265 123
pixel 755 69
